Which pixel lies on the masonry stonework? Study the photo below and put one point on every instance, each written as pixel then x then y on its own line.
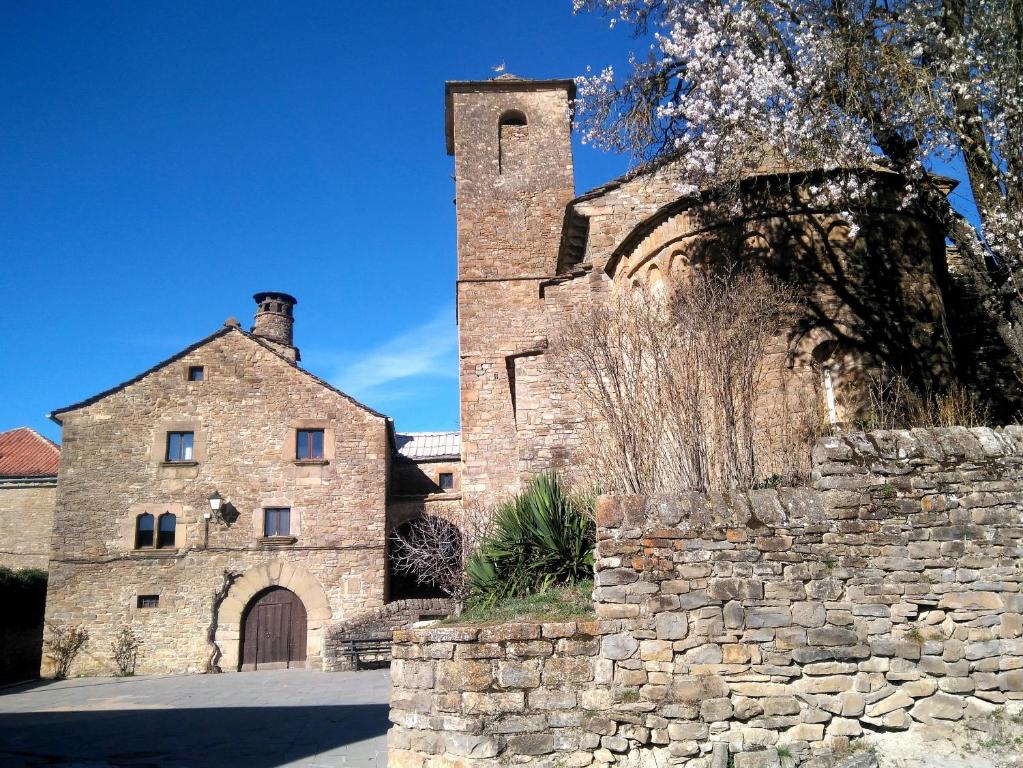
pixel 885 597
pixel 874 290
pixel 244 414
pixel 26 523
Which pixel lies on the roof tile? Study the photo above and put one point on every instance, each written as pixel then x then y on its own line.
pixel 419 446
pixel 26 453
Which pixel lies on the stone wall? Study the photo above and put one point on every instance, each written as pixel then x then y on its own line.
pixel 244 414
pixel 395 615
pixel 885 597
pixel 26 523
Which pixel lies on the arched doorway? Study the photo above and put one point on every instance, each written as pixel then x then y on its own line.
pixel 274 631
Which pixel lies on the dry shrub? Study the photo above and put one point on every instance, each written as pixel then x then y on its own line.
pixel 671 381
pixel 434 550
pixel 126 649
pixel 889 401
pixel 63 647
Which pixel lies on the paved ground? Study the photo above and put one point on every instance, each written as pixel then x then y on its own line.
pixel 248 719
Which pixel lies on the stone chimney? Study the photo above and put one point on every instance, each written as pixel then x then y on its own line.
pixel 275 321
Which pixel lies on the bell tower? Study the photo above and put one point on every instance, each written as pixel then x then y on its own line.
pixel 512 144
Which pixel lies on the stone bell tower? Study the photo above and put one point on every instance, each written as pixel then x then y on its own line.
pixel 275 321
pixel 511 140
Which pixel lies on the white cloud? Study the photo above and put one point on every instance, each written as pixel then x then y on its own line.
pixel 429 350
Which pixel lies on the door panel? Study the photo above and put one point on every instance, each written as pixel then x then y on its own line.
pixel 274 635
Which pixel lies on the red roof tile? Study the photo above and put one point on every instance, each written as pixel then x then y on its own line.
pixel 26 453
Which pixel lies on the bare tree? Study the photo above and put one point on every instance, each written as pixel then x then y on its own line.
pixel 672 383
pixel 434 550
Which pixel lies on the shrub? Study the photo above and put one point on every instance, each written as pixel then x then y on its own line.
pixel 23 594
pixel 63 647
pixel 541 538
pixel 126 648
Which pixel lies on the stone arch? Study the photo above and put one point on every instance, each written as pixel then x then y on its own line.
pixel 276 573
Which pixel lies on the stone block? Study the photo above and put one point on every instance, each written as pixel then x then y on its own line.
pixel 619 646
pixel 716 710
pixel 470 745
pixel 559 670
pixel 767 617
pixel 531 744
pixel 500 633
pixel 518 674
pixel 464 675
pixel 941 706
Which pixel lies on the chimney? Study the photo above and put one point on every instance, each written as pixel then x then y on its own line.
pixel 275 321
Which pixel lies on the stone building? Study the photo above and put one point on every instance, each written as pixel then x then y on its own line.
pixel 28 489
pixel 226 504
pixel 530 250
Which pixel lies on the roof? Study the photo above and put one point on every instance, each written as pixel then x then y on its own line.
pixel 505 82
pixel 423 446
pixel 228 328
pixel 26 453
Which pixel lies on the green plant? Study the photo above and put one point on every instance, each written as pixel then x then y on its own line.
pixel 63 647
pixel 783 752
pixel 543 537
pixel 559 604
pixel 126 648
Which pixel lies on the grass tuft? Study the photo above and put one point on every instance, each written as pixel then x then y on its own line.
pixel 559 604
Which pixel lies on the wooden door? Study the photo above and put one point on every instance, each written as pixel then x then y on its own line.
pixel 274 635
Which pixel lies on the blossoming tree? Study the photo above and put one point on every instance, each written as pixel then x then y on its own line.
pixel 728 86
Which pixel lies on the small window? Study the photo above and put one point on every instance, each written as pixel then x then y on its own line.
pixel 277 521
pixel 148 601
pixel 446 481
pixel 143 531
pixel 196 373
pixel 179 446
pixel 165 535
pixel 309 444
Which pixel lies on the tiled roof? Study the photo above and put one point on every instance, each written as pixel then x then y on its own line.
pixel 26 453
pixel 419 446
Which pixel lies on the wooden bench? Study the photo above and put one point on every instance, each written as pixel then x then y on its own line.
pixel 368 649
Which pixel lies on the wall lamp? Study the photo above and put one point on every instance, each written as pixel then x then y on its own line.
pixel 216 502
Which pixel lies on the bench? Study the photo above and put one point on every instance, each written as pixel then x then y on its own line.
pixel 368 649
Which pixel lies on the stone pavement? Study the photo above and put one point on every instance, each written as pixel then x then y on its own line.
pixel 251 719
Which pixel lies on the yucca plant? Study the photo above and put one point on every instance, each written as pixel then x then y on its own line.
pixel 541 538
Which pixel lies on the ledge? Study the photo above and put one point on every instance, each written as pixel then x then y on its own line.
pixel 276 541
pixel 179 463
pixel 311 462
pixel 156 551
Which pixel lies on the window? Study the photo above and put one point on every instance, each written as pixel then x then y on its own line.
pixel 179 446
pixel 148 601
pixel 143 531
pixel 277 521
pixel 166 530
pixel 196 373
pixel 446 481
pixel 309 444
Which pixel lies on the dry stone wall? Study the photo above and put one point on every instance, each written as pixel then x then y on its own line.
pixel 737 629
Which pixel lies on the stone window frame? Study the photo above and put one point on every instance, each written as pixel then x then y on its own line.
pixel 295 522
pixel 200 366
pixel 157 510
pixel 440 482
pixel 158 446
pixel 291 442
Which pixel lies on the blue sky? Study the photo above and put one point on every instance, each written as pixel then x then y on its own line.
pixel 163 161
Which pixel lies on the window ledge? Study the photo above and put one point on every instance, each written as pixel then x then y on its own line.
pixel 277 541
pixel 312 462
pixel 179 463
pixel 155 551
